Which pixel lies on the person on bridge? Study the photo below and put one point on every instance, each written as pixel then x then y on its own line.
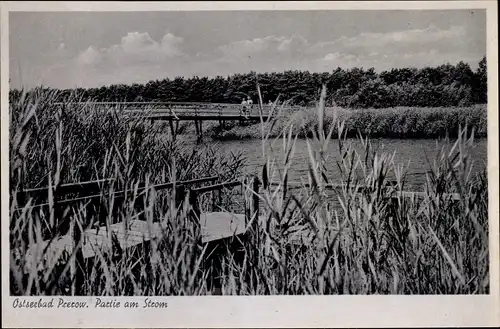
pixel 244 104
pixel 249 103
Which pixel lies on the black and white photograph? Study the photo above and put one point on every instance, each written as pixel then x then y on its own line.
pixel 248 153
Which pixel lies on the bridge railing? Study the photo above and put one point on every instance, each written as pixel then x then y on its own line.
pixel 236 110
pixel 200 112
pixel 173 105
pixel 87 190
pixel 90 195
pixel 165 104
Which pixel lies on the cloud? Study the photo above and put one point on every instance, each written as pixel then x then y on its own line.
pixel 367 49
pixel 137 58
pixel 135 48
pixel 332 56
pixel 361 44
pixel 90 56
pixel 140 58
pixel 430 35
pixel 397 42
pixel 267 46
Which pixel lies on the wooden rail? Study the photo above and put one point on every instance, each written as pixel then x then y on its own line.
pixel 171 104
pixel 229 113
pixel 187 110
pixel 67 188
pixel 217 186
pixel 83 187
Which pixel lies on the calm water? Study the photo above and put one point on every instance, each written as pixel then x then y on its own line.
pixel 412 153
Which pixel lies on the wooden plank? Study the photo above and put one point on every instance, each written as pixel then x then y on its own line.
pixel 51 256
pixel 220 225
pixel 217 225
pixel 94 240
pixel 137 233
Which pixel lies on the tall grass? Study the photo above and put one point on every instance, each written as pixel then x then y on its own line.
pixel 400 122
pixel 377 242
pixel 52 145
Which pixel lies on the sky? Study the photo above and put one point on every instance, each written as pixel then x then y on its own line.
pixel 91 49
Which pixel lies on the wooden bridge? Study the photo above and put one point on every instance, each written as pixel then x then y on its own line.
pixel 218 228
pixel 85 243
pixel 174 112
pixel 187 110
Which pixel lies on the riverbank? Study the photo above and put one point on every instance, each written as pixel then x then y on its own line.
pixel 377 241
pixel 398 122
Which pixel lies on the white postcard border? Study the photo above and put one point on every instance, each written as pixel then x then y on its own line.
pixel 267 311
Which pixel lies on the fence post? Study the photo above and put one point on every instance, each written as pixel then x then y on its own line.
pixel 193 200
pixel 180 194
pixel 216 199
pixel 195 208
pixel 219 197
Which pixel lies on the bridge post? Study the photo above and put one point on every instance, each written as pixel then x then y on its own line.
pixel 173 132
pixel 199 130
pixel 216 199
pixel 180 194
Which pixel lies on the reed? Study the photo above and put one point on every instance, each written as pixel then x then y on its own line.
pixel 399 122
pixel 377 242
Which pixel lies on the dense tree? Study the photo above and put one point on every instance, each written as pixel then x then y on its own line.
pixel 444 85
pixel 480 86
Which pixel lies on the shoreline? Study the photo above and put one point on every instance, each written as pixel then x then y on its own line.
pixel 388 123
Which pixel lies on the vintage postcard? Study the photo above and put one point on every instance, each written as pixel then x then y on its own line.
pixel 249 164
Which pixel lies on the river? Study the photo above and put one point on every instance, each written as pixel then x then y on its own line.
pixel 412 153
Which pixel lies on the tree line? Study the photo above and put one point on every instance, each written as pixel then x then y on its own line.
pixel 440 86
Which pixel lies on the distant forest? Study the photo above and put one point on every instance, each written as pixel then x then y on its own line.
pixel 440 86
